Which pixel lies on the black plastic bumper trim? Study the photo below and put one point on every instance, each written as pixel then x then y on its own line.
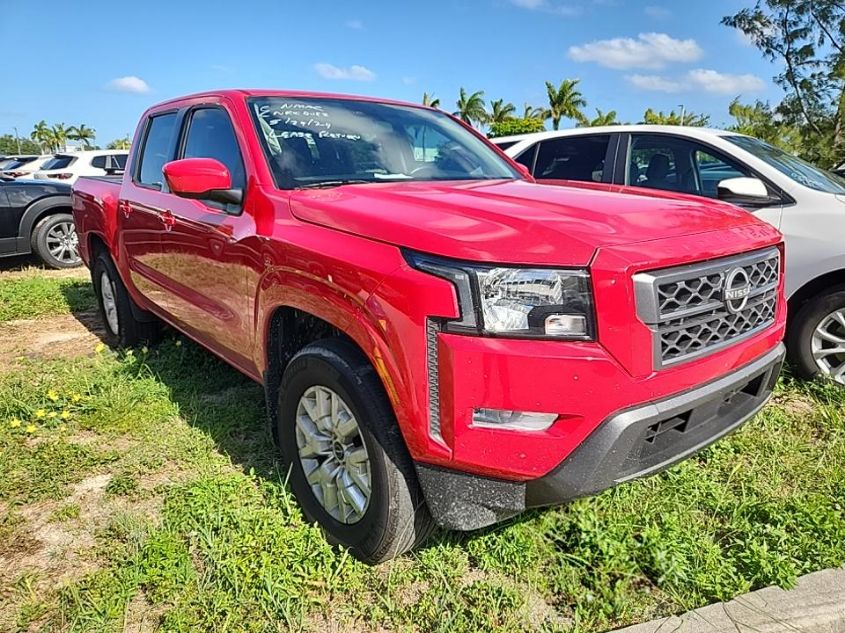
pixel 631 444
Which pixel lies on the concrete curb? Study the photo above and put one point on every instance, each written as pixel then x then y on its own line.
pixel 816 604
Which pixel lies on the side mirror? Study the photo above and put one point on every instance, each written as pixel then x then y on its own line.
pixel 201 179
pixel 750 191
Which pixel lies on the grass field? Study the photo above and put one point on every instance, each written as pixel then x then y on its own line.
pixel 140 491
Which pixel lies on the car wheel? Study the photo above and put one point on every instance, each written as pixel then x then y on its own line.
pixel 122 329
pixel 816 340
pixel 349 467
pixel 55 242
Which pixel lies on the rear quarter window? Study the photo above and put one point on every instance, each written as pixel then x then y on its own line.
pixel 156 150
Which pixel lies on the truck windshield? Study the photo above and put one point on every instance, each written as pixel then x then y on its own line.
pixel 315 142
pixel 798 170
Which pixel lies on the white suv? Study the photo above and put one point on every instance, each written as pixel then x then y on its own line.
pixel 806 203
pixel 23 166
pixel 69 167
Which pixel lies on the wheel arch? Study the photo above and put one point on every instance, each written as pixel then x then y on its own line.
pixel 814 288
pixel 40 209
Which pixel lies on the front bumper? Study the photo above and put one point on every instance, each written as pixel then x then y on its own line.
pixel 627 445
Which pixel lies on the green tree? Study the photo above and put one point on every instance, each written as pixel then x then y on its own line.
pixel 9 145
pixel 758 119
pixel 82 133
pixel 42 135
pixel 500 111
pixel 530 112
pixel 119 143
pixel 601 118
pixel 691 119
pixel 510 127
pixel 806 38
pixel 59 136
pixel 471 107
pixel 565 102
pixel 430 100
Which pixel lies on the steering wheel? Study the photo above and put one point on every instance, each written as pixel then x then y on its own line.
pixel 431 169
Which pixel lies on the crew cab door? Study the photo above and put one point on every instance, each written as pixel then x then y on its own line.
pixel 140 210
pixel 207 270
pixel 675 163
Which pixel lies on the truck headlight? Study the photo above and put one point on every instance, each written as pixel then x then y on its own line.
pixel 524 302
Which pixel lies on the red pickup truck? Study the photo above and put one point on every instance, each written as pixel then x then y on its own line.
pixel 441 339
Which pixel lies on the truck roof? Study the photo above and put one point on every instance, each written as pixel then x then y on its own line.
pixel 238 93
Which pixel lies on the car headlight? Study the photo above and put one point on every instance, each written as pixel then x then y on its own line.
pixel 513 301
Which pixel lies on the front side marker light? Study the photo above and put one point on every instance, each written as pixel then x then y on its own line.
pixel 512 420
pixel 566 325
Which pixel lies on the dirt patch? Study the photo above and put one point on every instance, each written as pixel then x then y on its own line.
pixel 141 616
pixel 63 336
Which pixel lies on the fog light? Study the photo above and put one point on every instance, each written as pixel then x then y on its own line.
pixel 518 420
pixel 566 325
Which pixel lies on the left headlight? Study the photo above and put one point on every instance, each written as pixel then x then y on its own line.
pixel 522 302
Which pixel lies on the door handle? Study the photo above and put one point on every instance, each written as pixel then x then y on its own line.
pixel 167 219
pixel 125 208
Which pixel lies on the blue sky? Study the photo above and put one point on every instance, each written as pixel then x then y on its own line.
pixel 102 63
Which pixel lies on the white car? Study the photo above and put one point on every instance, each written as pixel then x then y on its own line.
pixel 70 166
pixel 806 203
pixel 23 166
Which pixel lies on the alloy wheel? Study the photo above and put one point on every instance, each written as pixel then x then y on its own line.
pixel 63 243
pixel 828 345
pixel 333 455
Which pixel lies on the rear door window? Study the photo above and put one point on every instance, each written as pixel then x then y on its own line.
pixel 156 150
pixel 572 158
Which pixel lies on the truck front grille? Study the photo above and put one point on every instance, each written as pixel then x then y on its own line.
pixel 695 310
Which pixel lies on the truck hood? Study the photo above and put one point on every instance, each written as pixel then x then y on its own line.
pixel 515 222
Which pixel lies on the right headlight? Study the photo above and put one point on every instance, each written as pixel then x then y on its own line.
pixel 522 302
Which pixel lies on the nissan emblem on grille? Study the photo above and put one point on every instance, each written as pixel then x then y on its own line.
pixel 697 309
pixel 737 289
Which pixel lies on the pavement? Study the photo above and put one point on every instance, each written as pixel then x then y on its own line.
pixel 815 605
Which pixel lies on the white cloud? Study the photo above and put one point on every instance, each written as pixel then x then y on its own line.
pixel 546 6
pixel 657 13
pixel 655 83
pixel 355 24
pixel 724 83
pixel 649 50
pixel 130 83
pixel 354 72
pixel 702 80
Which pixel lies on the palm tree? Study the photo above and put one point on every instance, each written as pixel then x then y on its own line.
pixel 500 111
pixel 565 102
pixel 602 118
pixel 119 143
pixel 430 100
pixel 60 135
pixel 82 133
pixel 530 112
pixel 41 134
pixel 471 107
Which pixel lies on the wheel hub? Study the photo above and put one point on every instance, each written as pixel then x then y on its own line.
pixel 828 345
pixel 333 455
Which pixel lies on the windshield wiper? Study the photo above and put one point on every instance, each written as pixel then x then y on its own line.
pixel 333 183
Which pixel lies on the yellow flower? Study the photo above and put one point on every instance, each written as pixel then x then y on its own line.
pixel 76 397
pixel 30 428
pixel 40 414
pixel 52 395
pixel 99 348
pixel 178 343
pixel 14 423
pixel 52 414
pixel 65 415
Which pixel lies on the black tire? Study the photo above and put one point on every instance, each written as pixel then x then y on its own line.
pixel 396 518
pixel 799 338
pixel 51 229
pixel 129 331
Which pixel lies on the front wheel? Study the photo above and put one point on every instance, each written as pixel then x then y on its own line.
pixel 816 339
pixel 349 467
pixel 54 241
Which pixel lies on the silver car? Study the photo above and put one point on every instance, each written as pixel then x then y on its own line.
pixel 806 203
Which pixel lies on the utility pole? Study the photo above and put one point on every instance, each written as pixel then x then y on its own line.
pixel 683 112
pixel 17 139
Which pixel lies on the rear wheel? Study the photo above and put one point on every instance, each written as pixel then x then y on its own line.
pixel 349 467
pixel 816 340
pixel 122 328
pixel 54 241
